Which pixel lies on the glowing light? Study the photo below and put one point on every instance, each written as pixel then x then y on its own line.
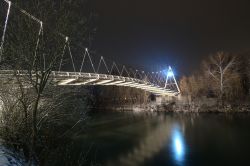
pixel 170 73
pixel 178 146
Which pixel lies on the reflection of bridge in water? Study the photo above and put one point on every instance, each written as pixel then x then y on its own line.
pixel 159 83
pixel 155 141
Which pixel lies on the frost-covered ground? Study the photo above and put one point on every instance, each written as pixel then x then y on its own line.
pixel 8 158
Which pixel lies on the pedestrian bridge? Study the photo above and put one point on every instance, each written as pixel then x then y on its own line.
pixel 74 79
pixel 160 82
pixel 94 79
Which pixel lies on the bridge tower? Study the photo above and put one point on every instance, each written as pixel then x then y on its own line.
pixel 171 82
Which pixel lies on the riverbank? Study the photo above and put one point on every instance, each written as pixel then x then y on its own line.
pixel 10 158
pixel 179 108
pixel 214 109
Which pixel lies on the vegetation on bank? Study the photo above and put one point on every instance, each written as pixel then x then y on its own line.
pixel 223 78
pixel 111 97
pixel 36 116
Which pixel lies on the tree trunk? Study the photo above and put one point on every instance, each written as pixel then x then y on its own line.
pixel 34 131
pixel 221 103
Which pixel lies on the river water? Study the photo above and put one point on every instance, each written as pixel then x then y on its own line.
pixel 163 139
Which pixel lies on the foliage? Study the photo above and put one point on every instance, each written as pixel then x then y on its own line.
pixel 193 86
pixel 223 75
pixel 33 113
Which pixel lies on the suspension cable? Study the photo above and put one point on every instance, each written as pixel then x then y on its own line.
pixel 71 56
pixel 83 59
pixel 90 60
pixel 99 65
pixel 105 64
pixel 37 42
pixel 114 65
pixel 4 30
pixel 124 69
pixel 63 52
pixel 133 73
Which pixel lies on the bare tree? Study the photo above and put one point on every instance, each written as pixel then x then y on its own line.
pixel 221 68
pixel 184 85
pixel 32 49
pixel 193 86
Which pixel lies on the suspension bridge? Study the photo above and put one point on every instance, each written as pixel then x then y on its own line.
pixel 161 82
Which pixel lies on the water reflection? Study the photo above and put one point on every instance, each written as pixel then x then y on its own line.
pixel 178 145
pixel 164 132
pixel 124 139
pixel 150 145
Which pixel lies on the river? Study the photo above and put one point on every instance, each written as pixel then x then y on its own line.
pixel 158 139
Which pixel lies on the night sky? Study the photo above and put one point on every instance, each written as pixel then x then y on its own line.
pixel 156 33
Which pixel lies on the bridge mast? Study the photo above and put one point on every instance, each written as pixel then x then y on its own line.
pixel 170 74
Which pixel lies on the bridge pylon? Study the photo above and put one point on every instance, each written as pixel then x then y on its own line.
pixel 171 82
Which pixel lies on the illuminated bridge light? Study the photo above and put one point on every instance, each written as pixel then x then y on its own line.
pixel 170 74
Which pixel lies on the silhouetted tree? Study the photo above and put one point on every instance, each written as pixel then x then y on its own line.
pixel 32 53
pixel 193 86
pixel 221 70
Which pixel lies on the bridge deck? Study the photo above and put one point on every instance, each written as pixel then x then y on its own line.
pixel 80 79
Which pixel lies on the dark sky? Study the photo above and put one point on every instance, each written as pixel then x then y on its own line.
pixel 154 33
